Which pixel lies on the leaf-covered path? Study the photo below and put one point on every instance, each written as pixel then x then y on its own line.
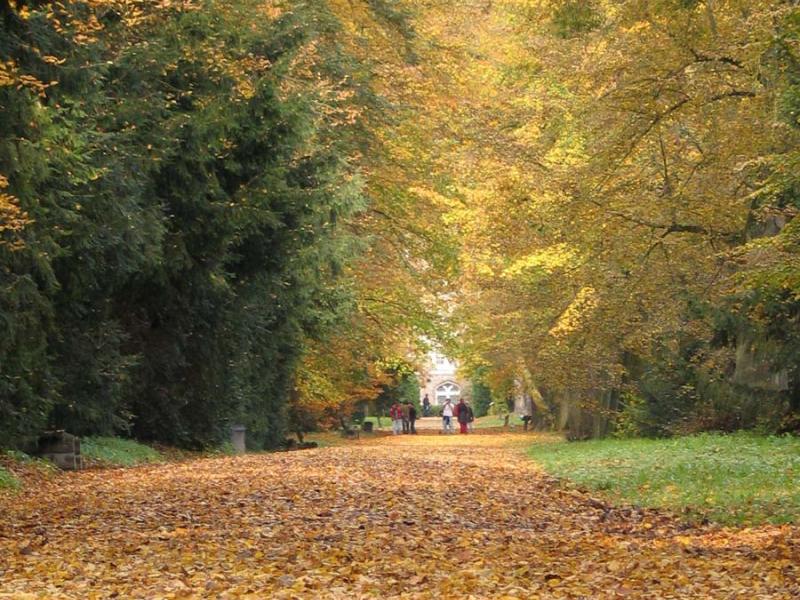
pixel 428 516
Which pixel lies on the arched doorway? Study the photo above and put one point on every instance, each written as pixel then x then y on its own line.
pixel 447 391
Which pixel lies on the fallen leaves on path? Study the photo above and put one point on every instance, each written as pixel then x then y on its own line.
pixel 410 517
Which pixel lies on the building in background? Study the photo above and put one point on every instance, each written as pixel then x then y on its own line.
pixel 439 380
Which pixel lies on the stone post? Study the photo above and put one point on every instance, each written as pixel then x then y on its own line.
pixel 237 438
pixel 62 449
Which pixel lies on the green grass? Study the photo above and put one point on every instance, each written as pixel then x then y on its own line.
pixel 17 469
pixel 325 439
pixel 497 421
pixel 731 479
pixel 109 451
pixel 385 421
pixel 7 480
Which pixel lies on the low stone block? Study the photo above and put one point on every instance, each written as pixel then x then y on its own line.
pixel 59 442
pixel 62 449
pixel 65 460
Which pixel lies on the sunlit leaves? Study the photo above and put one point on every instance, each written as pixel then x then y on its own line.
pixel 641 132
pixel 418 516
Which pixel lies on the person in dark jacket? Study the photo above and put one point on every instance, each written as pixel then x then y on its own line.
pixel 412 417
pixel 426 406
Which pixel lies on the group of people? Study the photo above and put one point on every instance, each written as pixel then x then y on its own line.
pixel 462 412
pixel 404 416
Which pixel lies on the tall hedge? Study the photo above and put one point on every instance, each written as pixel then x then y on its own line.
pixel 170 196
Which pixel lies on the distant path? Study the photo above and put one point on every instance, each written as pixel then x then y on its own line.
pixel 426 424
pixel 431 423
pixel 411 517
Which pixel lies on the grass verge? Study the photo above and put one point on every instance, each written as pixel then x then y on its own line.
pixel 732 479
pixel 386 422
pixel 7 480
pixel 497 421
pixel 17 470
pixel 110 451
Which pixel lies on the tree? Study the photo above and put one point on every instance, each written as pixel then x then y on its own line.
pixel 177 196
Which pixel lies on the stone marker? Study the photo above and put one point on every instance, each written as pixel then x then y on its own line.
pixel 62 449
pixel 237 438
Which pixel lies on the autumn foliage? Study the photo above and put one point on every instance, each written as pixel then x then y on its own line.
pixel 410 517
pixel 212 210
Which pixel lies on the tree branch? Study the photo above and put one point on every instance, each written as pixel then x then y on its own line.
pixel 701 58
pixel 732 94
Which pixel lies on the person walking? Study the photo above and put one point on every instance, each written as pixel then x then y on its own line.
pixel 426 406
pixel 447 416
pixel 405 415
pixel 471 415
pixel 396 415
pixel 462 414
pixel 412 417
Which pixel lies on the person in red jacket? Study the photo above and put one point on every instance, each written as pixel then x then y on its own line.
pixel 396 415
pixel 462 414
